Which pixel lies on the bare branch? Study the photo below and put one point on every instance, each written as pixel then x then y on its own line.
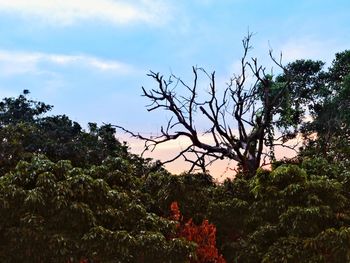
pixel 249 110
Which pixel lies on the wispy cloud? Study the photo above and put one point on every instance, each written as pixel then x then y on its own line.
pixel 309 48
pixel 14 63
pixel 66 12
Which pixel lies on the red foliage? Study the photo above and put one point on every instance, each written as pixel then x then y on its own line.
pixel 175 212
pixel 203 235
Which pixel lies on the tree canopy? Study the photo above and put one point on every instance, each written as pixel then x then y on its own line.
pixel 69 194
pixel 256 112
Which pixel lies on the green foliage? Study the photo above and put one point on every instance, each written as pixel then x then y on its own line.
pixel 286 211
pixel 21 109
pixel 300 85
pixel 192 191
pixel 25 131
pixel 67 193
pixel 53 211
pixel 331 113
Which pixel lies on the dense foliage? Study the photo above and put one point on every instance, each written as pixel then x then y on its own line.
pixel 69 194
pixel 26 130
pixel 203 235
pixel 52 212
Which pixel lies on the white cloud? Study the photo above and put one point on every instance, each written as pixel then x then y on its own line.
pixel 309 48
pixel 66 12
pixel 88 61
pixel 14 63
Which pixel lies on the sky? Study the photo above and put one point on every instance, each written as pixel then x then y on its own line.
pixel 90 58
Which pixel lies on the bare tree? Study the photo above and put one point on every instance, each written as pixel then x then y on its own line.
pixel 241 124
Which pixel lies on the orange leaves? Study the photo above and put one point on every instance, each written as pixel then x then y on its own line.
pixel 175 211
pixel 203 235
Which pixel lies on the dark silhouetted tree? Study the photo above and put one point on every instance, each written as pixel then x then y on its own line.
pixel 241 118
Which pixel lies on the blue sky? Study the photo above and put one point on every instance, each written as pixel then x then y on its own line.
pixel 89 58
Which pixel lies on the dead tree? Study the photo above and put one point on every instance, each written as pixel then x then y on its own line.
pixel 240 121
